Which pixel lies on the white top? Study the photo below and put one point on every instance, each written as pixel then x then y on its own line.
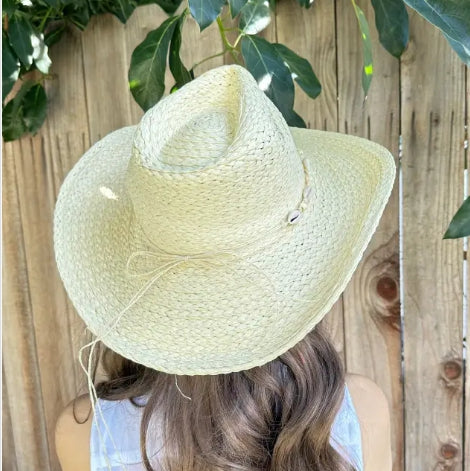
pixel 119 424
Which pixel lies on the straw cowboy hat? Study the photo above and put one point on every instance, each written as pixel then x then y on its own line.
pixel 211 237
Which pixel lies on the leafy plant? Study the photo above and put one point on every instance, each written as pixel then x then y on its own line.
pixel 460 224
pixel 368 67
pixel 30 29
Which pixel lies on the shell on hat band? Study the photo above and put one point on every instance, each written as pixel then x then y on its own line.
pixel 294 216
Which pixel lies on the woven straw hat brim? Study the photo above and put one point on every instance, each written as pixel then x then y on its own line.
pixel 212 319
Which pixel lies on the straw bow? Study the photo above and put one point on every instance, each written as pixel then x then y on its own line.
pixel 211 258
pixel 165 261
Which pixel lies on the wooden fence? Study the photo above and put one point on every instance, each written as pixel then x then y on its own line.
pixel 401 319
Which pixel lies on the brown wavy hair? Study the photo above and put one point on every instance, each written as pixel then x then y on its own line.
pixel 274 417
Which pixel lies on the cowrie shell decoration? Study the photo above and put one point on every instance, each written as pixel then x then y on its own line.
pixel 295 215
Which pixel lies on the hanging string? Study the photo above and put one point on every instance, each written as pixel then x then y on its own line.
pixel 177 387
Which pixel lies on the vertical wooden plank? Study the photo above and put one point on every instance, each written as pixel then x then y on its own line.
pixel 62 152
pixel 47 160
pixel 41 324
pixel 36 203
pixel 21 363
pixel 433 99
pixel 371 300
pixel 105 71
pixel 466 312
pixel 315 40
pixel 8 443
pixel 66 94
pixel 65 136
pixel 47 335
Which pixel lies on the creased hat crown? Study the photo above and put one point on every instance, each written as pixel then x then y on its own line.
pixel 212 164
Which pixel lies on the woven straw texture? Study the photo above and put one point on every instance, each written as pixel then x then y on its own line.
pixel 212 171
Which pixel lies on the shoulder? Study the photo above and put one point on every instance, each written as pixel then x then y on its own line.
pixel 373 412
pixel 72 435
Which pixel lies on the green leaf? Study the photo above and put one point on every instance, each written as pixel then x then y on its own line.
pixel 148 63
pixel 460 224
pixel 25 112
pixel 459 48
pixel 205 11
pixel 452 17
pixel 53 35
pixel 9 7
pixel 176 86
pixel 179 71
pixel 13 125
pixel 236 6
pixel 95 7
pixel 10 66
pixel 301 70
pixel 34 107
pixel 255 16
pixel 20 32
pixel 272 75
pixel 78 13
pixel 368 68
pixel 40 56
pixel 305 3
pixel 122 9
pixel 293 119
pixel 81 3
pixel 391 20
pixel 168 6
pixel 53 3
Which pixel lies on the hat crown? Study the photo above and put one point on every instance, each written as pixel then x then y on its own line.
pixel 213 164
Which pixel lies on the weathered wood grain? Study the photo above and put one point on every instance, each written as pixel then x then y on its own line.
pixel 20 361
pixel 34 162
pixel 314 39
pixel 105 72
pixel 63 150
pixel 8 442
pixel 432 117
pixel 372 298
pixel 466 334
pixel 466 417
pixel 52 329
pixel 65 136
pixel 66 93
